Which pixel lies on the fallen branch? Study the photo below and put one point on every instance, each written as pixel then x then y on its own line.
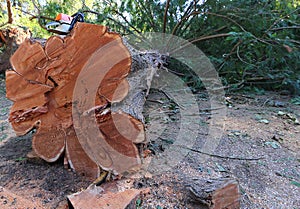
pixel 220 156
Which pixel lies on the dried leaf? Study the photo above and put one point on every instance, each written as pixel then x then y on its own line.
pixel 274 145
pixel 220 168
pixel 265 121
pixel 281 113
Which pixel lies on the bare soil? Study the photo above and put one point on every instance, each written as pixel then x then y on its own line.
pixel 257 126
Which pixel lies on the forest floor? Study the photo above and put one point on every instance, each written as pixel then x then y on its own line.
pixel 261 131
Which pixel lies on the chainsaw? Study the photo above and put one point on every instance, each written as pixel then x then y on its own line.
pixel 63 23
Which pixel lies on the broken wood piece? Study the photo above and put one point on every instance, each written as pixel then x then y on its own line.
pixel 10 200
pixel 215 193
pixel 96 197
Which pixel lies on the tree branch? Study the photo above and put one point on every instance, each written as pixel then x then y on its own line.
pixel 166 16
pixel 10 18
pixel 284 28
pixel 204 38
pixel 39 14
pixel 277 21
pixel 183 19
pixel 147 12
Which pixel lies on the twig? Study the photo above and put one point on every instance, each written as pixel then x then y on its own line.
pixel 210 109
pixel 187 11
pixel 228 55
pixel 238 55
pixel 125 19
pixel 228 18
pixel 294 41
pixel 155 101
pixel 34 16
pixel 147 12
pixel 113 20
pixel 3 24
pixel 221 156
pixel 170 98
pixel 210 37
pixel 284 28
pixel 39 14
pixel 267 100
pixel 190 11
pixel 201 39
pixel 183 19
pixel 2 37
pixel 236 23
pixel 277 21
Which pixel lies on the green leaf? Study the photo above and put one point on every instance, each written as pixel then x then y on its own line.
pixel 20 159
pixel 138 202
pixel 295 183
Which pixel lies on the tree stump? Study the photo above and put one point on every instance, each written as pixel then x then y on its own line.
pixel 42 84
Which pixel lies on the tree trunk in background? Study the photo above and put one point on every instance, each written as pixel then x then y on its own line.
pixel 10 39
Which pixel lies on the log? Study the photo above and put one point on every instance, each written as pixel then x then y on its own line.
pixel 215 193
pixel 42 85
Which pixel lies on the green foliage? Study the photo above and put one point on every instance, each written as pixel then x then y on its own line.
pixel 260 47
pixel 252 43
pixel 295 183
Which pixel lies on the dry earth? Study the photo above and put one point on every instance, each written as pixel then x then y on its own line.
pixel 257 126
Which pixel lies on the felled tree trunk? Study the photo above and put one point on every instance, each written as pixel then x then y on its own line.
pixel 49 85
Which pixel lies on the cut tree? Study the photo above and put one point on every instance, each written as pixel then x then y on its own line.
pixel 42 84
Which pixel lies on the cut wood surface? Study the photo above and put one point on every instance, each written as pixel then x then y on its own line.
pixel 42 84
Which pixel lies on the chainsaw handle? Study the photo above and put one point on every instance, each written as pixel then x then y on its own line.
pixel 77 17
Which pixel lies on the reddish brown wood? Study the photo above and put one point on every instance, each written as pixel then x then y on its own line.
pixel 220 193
pixel 41 86
pixel 11 200
pixel 96 197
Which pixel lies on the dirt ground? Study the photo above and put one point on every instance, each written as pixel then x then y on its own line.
pixel 261 134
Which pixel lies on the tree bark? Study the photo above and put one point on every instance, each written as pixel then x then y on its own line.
pixel 10 39
pixel 42 84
